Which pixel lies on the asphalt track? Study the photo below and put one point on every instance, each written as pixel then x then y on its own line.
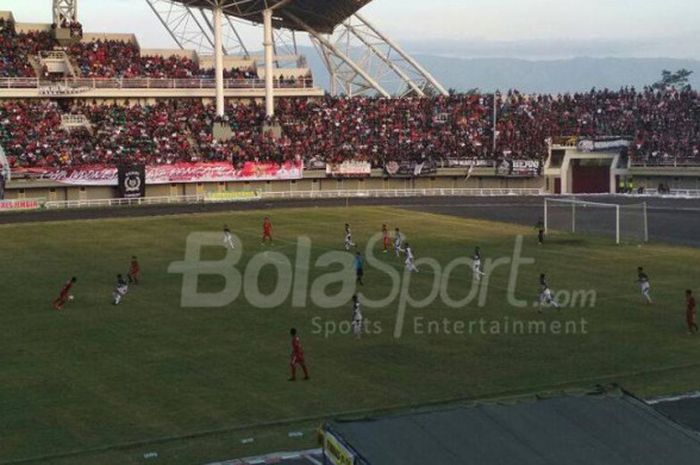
pixel 684 409
pixel 673 221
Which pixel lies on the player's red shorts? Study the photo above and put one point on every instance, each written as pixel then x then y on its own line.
pixel 297 359
pixel 387 243
pixel 690 317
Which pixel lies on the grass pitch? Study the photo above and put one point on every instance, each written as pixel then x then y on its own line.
pixel 103 384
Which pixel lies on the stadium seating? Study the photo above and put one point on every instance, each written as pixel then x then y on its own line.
pixel 15 50
pixel 665 127
pixel 107 59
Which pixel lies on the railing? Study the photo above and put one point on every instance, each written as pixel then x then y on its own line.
pixel 148 83
pixel 399 193
pixel 69 120
pixel 675 193
pixel 666 162
pixel 104 203
pixel 291 195
pixel 53 55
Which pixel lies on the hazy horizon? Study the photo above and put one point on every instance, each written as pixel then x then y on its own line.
pixel 600 28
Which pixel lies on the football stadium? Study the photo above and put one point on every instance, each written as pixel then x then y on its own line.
pixel 217 253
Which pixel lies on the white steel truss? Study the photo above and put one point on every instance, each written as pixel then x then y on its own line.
pixel 65 10
pixel 360 59
pixel 390 67
pixel 193 28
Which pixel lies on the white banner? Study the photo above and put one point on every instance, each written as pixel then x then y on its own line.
pixel 349 169
pixel 589 145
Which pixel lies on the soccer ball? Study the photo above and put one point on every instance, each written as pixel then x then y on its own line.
pixel 70 297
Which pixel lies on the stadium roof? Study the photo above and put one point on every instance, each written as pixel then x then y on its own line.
pixel 610 429
pixel 321 15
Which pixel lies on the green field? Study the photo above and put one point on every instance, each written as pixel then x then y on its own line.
pixel 103 384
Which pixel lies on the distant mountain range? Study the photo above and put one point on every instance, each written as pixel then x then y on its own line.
pixel 538 76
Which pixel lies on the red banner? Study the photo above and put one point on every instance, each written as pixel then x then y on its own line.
pixel 28 204
pixel 101 175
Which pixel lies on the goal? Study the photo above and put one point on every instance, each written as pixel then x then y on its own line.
pixel 623 222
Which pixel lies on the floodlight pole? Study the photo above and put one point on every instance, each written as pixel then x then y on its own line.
pixel 65 10
pixel 219 59
pixel 495 121
pixel 268 44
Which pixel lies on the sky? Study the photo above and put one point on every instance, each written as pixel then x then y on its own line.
pixel 528 29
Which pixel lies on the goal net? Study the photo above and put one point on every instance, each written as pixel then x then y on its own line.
pixel 623 223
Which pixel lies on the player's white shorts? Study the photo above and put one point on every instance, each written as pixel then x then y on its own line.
pixel 645 288
pixel 119 294
pixel 546 298
pixel 228 240
pixel 410 264
pixel 357 326
pixel 476 268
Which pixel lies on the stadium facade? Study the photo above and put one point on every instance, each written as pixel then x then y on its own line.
pixel 613 428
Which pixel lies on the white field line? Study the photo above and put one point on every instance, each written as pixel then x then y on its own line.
pixel 674 398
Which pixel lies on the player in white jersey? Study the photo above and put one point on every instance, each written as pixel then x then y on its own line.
pixel 546 297
pixel 120 290
pixel 644 285
pixel 228 238
pixel 398 242
pixel 410 260
pixel 348 238
pixel 357 320
pixel 476 264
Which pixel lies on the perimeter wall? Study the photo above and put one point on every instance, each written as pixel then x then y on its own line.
pixel 313 181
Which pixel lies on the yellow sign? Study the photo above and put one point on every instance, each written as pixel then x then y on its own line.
pixel 336 452
pixel 231 196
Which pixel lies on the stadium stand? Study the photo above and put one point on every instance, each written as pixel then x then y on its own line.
pixel 665 127
pixel 610 428
pixel 21 52
pixel 17 48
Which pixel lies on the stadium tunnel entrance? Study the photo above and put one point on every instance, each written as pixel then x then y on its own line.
pixel 590 176
pixel 574 169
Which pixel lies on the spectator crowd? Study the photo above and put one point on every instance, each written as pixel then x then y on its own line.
pixel 15 49
pixel 107 59
pixel 664 127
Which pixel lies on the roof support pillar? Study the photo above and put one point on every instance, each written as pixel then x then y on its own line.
pixel 219 59
pixel 268 44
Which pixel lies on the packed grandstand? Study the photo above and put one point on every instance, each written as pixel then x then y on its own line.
pixel 663 125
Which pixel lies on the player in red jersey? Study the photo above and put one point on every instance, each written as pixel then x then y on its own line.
pixel 387 239
pixel 690 312
pixel 297 356
pixel 134 271
pixel 64 296
pixel 267 230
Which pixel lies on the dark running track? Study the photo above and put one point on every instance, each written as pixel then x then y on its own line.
pixel 684 410
pixel 674 221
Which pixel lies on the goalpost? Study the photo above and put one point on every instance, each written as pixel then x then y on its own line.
pixel 627 222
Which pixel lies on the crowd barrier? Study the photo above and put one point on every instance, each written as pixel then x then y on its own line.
pixel 147 83
pixel 290 195
pixel 674 194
